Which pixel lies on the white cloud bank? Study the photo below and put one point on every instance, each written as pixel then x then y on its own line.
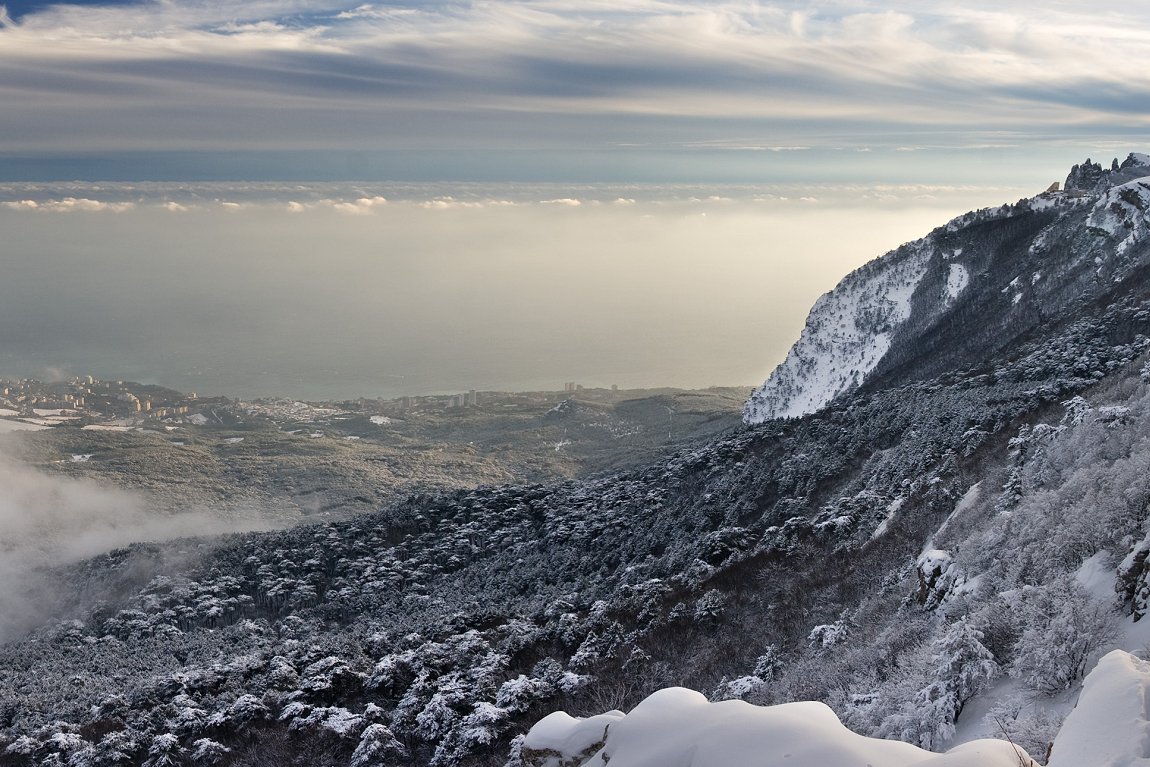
pixel 69 205
pixel 343 295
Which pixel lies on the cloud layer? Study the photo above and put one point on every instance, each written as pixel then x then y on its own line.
pixel 345 290
pixel 574 74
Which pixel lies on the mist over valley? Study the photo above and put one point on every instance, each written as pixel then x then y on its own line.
pixel 338 291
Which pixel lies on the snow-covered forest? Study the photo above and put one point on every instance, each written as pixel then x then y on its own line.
pixel 939 551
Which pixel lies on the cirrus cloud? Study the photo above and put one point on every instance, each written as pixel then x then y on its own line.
pixel 554 74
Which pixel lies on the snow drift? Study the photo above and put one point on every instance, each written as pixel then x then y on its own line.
pixel 1110 726
pixel 676 727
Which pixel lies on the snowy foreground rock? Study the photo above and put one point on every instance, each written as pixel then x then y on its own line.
pixel 676 727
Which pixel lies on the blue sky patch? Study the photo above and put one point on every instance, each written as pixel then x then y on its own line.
pixel 20 8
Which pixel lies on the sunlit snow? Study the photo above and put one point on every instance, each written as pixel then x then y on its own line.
pixel 1109 727
pixel 676 727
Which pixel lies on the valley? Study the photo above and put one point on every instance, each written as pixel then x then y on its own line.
pixel 293 461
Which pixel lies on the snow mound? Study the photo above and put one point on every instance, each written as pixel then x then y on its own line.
pixel 1110 726
pixel 676 727
pixel 847 333
pixel 559 738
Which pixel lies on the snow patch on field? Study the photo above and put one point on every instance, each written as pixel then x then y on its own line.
pixel 7 426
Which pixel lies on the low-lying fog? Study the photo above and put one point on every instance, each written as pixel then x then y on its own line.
pixel 336 292
pixel 48 520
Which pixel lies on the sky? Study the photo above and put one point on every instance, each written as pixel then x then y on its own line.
pixel 568 90
pixel 326 199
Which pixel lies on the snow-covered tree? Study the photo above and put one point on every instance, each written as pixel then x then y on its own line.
pixel 930 696
pixel 1024 723
pixel 1064 627
pixel 206 751
pixel 164 751
pixel 963 663
pixel 377 746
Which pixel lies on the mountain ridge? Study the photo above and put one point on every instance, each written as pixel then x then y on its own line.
pixel 972 287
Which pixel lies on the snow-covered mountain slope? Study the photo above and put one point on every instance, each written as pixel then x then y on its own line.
pixel 968 290
pixel 936 561
pixel 848 332
pixel 842 557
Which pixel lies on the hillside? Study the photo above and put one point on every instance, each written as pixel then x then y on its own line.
pixel 938 552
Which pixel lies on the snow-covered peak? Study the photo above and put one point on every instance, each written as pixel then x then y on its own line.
pixel 1124 211
pixel 1091 177
pixel 1084 177
pixel 1137 158
pixel 959 296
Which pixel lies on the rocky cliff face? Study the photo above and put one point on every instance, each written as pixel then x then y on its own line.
pixel 974 287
